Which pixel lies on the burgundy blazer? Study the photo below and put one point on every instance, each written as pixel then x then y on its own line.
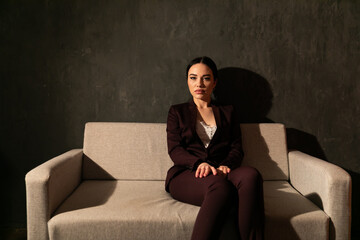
pixel 185 147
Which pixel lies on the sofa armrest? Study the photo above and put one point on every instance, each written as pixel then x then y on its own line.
pixel 328 186
pixel 47 186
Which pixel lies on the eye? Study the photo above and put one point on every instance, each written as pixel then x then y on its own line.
pixel 207 78
pixel 193 78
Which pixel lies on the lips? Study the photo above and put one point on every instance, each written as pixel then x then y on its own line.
pixel 199 91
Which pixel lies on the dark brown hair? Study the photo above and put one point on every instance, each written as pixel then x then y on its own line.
pixel 205 60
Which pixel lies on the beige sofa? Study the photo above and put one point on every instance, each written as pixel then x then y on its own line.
pixel 113 188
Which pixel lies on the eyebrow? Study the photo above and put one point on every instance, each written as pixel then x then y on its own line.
pixel 205 75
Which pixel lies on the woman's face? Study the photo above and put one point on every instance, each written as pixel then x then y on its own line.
pixel 201 82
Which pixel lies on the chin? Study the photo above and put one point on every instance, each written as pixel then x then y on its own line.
pixel 201 97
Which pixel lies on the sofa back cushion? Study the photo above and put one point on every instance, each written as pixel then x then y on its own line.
pixel 126 151
pixel 265 148
pixel 138 151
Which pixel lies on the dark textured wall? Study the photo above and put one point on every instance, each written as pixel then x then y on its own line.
pixel 64 63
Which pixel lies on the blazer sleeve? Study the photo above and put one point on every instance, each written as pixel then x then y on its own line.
pixel 178 154
pixel 235 156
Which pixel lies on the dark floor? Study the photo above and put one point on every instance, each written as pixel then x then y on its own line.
pixel 13 233
pixel 20 234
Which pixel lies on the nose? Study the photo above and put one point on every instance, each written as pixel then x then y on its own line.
pixel 200 83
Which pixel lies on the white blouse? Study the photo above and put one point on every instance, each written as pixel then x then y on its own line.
pixel 205 132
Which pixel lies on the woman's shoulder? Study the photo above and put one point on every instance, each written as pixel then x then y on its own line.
pixel 225 107
pixel 180 110
pixel 228 111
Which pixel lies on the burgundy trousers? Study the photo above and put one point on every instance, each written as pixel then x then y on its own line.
pixel 242 188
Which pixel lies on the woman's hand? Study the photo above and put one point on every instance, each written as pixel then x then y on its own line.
pixel 204 169
pixel 224 169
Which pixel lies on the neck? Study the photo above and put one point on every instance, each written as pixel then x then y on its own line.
pixel 202 103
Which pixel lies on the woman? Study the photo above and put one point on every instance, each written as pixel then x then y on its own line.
pixel 204 142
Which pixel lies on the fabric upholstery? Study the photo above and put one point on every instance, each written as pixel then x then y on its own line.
pixel 47 186
pixel 289 215
pixel 143 210
pixel 125 151
pixel 265 149
pixel 107 157
pixel 133 210
pixel 328 186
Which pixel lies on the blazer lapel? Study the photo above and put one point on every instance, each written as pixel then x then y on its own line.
pixel 193 117
pixel 217 116
pixel 216 112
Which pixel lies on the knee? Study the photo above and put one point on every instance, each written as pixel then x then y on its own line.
pixel 253 175
pixel 221 188
pixel 246 176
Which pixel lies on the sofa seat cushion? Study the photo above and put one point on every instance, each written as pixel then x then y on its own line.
pixel 122 210
pixel 143 210
pixel 289 215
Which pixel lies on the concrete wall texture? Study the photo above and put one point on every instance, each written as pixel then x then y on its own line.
pixel 65 63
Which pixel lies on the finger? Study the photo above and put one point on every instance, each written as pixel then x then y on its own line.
pixel 228 170
pixel 201 170
pixel 197 172
pixel 222 169
pixel 207 170
pixel 213 170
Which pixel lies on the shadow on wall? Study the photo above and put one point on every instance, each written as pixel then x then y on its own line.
pixel 304 142
pixel 252 97
pixel 248 92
